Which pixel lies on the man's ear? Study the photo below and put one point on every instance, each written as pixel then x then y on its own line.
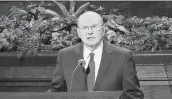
pixel 105 27
pixel 103 30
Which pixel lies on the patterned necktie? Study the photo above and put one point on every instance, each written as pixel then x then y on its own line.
pixel 91 73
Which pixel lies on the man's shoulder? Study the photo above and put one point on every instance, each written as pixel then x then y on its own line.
pixel 70 48
pixel 119 49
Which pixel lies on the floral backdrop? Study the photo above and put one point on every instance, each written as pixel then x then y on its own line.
pixel 28 29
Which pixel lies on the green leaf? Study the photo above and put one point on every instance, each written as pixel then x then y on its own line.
pixel 60 19
pixel 11 10
pixel 41 3
pixel 5 43
pixel 17 13
pixel 3 35
pixel 1 46
pixel 72 6
pixel 31 5
pixel 62 8
pixel 40 9
pixel 81 9
pixel 51 12
pixel 109 17
pixel 114 10
pixel 18 31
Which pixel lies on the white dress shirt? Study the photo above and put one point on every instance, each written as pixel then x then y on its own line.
pixel 97 57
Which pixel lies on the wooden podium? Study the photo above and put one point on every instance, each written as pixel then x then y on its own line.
pixel 60 95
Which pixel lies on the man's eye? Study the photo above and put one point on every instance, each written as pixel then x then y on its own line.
pixel 84 28
pixel 93 27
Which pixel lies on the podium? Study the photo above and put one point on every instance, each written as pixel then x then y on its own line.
pixel 60 95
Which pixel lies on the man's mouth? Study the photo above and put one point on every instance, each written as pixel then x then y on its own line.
pixel 89 38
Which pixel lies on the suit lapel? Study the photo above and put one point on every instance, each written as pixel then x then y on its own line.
pixel 79 76
pixel 105 61
pixel 76 55
pixel 79 52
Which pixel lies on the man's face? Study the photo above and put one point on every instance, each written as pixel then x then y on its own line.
pixel 90 30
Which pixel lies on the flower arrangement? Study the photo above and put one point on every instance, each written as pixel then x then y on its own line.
pixel 37 26
pixel 144 34
pixel 27 30
pixel 8 33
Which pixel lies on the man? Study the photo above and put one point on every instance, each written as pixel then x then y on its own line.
pixel 107 68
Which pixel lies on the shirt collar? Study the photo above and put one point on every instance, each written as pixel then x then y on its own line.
pixel 96 51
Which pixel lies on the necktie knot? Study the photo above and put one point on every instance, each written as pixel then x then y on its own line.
pixel 91 56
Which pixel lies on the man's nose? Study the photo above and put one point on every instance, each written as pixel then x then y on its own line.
pixel 90 31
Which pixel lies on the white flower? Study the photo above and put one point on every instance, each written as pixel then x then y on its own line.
pixel 170 28
pixel 55 35
pixel 111 34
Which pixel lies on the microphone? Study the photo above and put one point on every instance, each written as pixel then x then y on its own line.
pixel 81 63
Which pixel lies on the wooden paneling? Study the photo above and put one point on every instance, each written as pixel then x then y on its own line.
pixel 151 73
pixel 48 58
pixel 23 89
pixel 35 74
pixel 26 71
pixel 156 92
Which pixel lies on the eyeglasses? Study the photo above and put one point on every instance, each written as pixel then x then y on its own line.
pixel 93 27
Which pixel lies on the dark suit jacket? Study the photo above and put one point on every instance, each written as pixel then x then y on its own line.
pixel 117 70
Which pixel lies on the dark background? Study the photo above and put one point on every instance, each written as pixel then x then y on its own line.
pixel 126 8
